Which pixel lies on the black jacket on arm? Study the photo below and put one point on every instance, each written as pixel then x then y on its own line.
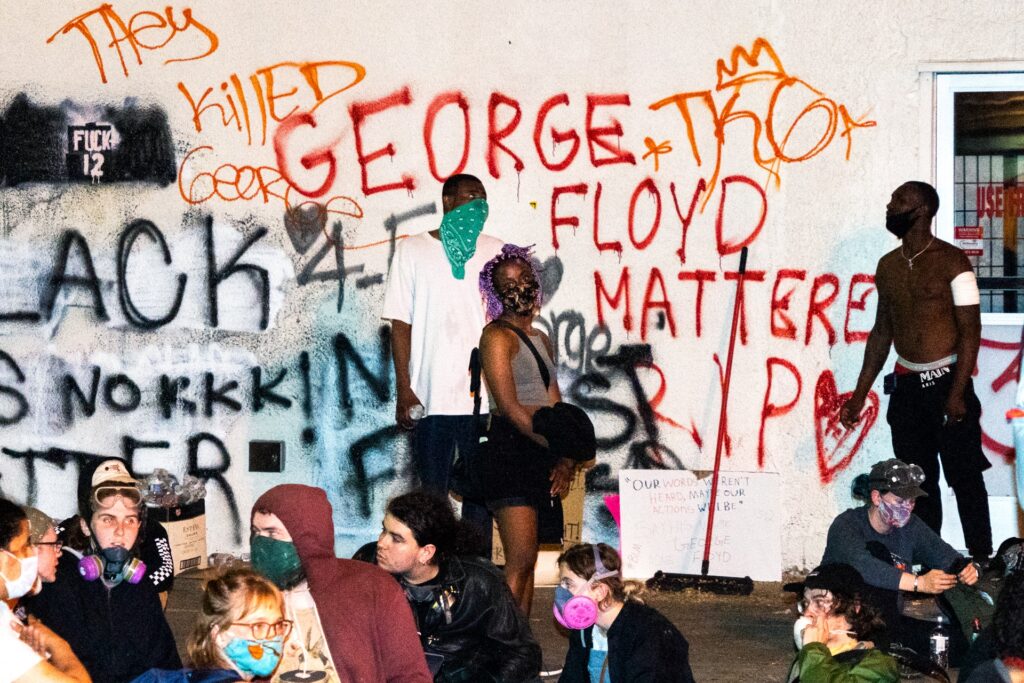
pixel 471 619
pixel 117 634
pixel 643 647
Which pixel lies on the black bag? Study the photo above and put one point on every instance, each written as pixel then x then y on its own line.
pixel 465 479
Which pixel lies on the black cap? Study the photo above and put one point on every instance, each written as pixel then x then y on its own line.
pixel 841 580
pixel 897 477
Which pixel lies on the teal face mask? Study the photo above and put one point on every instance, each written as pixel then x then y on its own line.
pixel 276 560
pixel 255 657
pixel 459 229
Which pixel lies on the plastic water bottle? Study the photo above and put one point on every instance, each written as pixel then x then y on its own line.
pixel 417 412
pixel 975 628
pixel 939 643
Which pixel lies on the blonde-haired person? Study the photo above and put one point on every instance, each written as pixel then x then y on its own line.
pixel 240 633
pixel 613 636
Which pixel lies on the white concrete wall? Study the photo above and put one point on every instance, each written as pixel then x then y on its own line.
pixel 851 71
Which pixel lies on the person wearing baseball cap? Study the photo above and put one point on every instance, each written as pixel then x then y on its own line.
pixel 836 630
pixel 154 546
pixel 884 540
pixel 100 602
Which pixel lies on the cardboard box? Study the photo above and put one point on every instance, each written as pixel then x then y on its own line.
pixel 186 531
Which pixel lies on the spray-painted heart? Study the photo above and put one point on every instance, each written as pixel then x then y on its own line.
pixel 304 223
pixel 836 444
pixel 550 277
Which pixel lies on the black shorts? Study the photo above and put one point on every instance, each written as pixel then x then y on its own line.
pixel 514 469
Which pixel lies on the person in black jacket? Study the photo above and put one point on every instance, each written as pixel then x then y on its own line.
pixel 1006 637
pixel 154 544
pixel 113 622
pixel 470 626
pixel 613 636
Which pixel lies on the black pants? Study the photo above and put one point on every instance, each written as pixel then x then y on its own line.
pixel 434 444
pixel 916 414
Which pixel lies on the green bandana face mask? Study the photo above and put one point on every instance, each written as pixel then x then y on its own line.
pixel 459 229
pixel 276 560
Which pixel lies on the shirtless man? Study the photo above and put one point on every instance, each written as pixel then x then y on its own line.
pixel 928 306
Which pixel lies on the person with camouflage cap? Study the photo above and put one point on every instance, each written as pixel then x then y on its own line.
pixel 884 540
pixel 43 532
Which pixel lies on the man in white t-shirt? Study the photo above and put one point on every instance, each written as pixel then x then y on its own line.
pixel 433 302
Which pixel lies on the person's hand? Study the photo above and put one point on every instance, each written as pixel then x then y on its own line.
pixel 969 574
pixel 561 477
pixel 406 399
pixel 40 638
pixel 936 581
pixel 849 414
pixel 955 408
pixel 817 630
pixel 54 648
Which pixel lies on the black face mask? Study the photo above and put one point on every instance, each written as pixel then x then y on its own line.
pixel 114 560
pixel 519 300
pixel 899 223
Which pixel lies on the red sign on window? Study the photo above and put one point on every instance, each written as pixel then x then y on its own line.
pixel 969 239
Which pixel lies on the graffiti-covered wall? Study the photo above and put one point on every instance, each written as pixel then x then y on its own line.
pixel 199 203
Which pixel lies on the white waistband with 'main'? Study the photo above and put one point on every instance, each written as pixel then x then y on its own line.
pixel 922 367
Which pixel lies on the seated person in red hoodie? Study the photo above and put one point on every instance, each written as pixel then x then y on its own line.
pixel 351 620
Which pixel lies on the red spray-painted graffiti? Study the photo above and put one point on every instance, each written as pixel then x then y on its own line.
pixel 1005 379
pixel 751 87
pixel 836 445
pixel 752 84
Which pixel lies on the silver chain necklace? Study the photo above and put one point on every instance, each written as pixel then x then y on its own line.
pixel 910 260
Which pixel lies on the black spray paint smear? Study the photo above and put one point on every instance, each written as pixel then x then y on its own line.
pixel 39 144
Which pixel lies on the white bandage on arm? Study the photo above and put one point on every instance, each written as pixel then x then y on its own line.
pixel 965 289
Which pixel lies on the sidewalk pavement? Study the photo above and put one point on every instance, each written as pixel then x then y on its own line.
pixel 732 638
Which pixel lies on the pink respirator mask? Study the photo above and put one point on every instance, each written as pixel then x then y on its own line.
pixel 578 612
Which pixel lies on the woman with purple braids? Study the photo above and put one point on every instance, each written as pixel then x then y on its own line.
pixel 517 471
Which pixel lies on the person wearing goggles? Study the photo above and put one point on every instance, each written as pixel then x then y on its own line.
pixel 100 602
pixel 43 532
pixel 883 540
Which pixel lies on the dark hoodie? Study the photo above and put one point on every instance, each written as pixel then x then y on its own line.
pixel 363 612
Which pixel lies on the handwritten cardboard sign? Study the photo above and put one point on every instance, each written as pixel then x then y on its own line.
pixel 665 516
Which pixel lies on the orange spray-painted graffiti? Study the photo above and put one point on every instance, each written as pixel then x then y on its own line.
pixel 159 30
pixel 238 102
pixel 756 87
